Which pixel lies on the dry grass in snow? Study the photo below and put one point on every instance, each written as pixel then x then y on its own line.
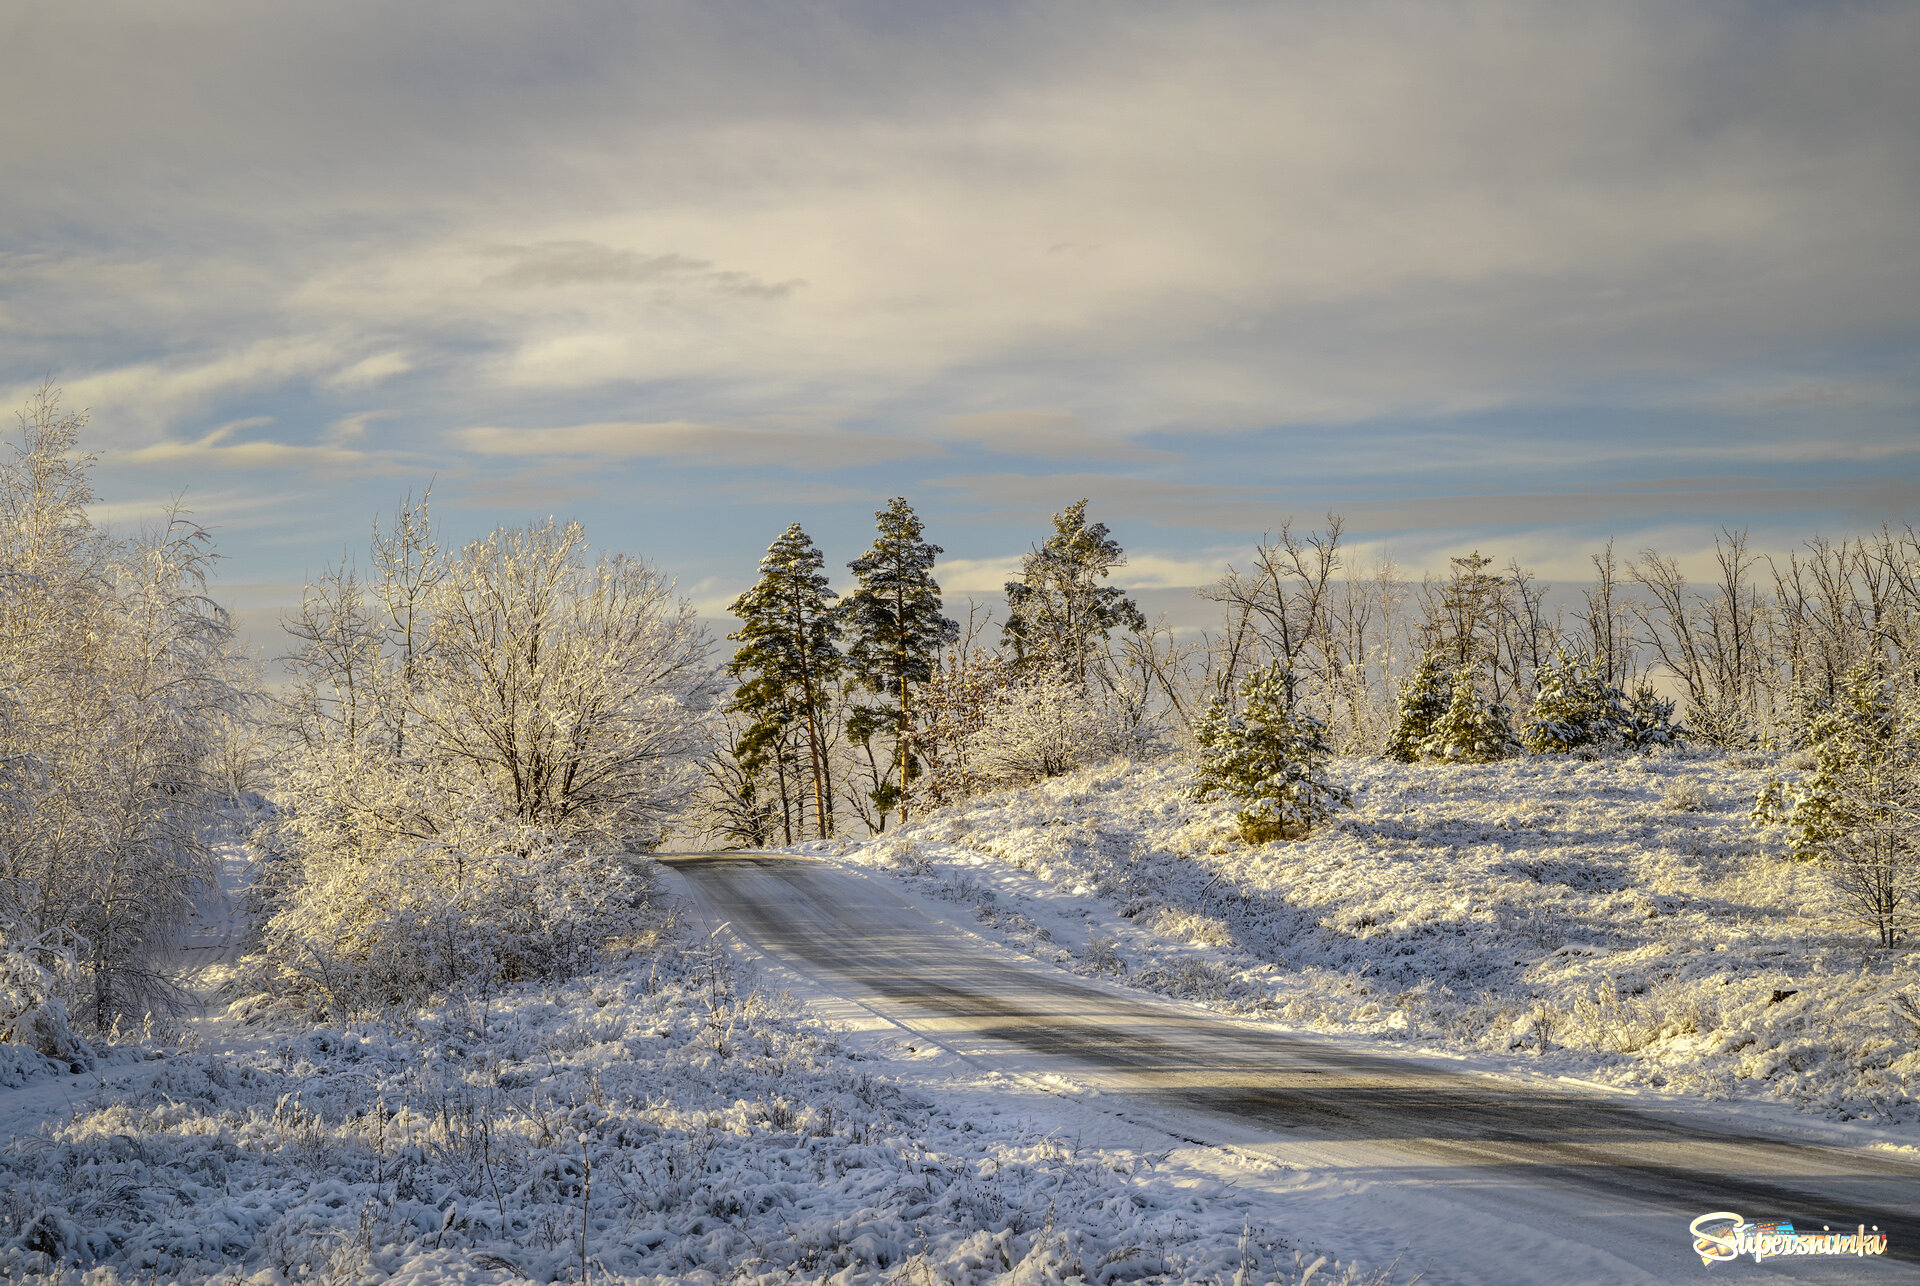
pixel 1615 918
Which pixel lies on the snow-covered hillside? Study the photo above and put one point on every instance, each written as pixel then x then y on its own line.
pixel 1618 919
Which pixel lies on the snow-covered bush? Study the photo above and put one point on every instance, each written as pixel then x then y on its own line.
pixel 1270 759
pixel 1846 737
pixel 32 1011
pixel 1424 696
pixel 1471 730
pixel 1046 722
pixel 474 746
pixel 365 932
pixel 1574 707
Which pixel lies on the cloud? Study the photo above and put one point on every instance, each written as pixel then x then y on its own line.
pixel 700 443
pixel 215 451
pixel 554 264
pixel 1042 435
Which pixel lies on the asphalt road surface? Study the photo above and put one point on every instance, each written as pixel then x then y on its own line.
pixel 1601 1172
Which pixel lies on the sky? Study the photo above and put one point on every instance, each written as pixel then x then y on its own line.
pixel 1514 277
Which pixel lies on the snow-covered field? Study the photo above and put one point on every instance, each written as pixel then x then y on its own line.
pixel 1617 919
pixel 661 1120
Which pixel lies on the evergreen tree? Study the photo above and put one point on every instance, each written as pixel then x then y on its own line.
pixel 1269 757
pixel 1057 612
pixel 1424 696
pixel 787 660
pixel 1471 730
pixel 898 630
pixel 1574 708
pixel 1649 721
pixel 1462 624
pixel 1849 737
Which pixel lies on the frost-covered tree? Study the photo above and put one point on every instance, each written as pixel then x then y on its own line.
pixel 116 690
pixel 474 746
pixel 1859 813
pixel 1269 757
pixel 1471 730
pixel 1058 613
pixel 1045 723
pixel 896 633
pixel 1849 738
pixel 739 804
pixel 787 662
pixel 1424 696
pixel 1574 707
pixel 956 704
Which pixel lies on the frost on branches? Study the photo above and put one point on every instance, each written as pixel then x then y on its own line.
pixel 1269 758
pixel 1858 813
pixel 476 748
pixel 116 687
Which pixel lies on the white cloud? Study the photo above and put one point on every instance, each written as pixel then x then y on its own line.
pixel 701 443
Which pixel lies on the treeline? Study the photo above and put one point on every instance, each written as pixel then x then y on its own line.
pixel 849 713
pixel 475 743
pixel 855 711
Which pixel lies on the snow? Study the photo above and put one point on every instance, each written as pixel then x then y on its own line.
pixel 660 1120
pixel 1614 920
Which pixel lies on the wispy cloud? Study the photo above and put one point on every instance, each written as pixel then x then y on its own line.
pixel 700 443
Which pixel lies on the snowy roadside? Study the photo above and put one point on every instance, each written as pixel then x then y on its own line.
pixel 1617 922
pixel 659 1120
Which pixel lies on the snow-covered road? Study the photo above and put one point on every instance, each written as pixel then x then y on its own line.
pixel 1476 1178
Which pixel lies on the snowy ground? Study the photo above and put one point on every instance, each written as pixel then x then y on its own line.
pixel 1618 920
pixel 661 1120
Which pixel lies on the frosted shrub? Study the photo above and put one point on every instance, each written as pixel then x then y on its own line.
pixel 1573 709
pixel 1471 730
pixel 32 1012
pixel 1684 796
pixel 1859 813
pixel 1649 721
pixel 367 933
pixel 1046 724
pixel 1270 759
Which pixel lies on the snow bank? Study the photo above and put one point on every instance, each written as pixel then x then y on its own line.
pixel 1619 919
pixel 654 1122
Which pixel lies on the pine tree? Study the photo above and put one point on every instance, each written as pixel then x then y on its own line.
pixel 1472 730
pixel 1424 696
pixel 1057 613
pixel 788 657
pixel 1574 708
pixel 1269 757
pixel 898 630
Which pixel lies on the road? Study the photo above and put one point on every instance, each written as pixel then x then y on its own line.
pixel 1589 1171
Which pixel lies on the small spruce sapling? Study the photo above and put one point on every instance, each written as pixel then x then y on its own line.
pixel 1573 709
pixel 1471 730
pixel 1423 700
pixel 1849 738
pixel 1269 758
pixel 1648 722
